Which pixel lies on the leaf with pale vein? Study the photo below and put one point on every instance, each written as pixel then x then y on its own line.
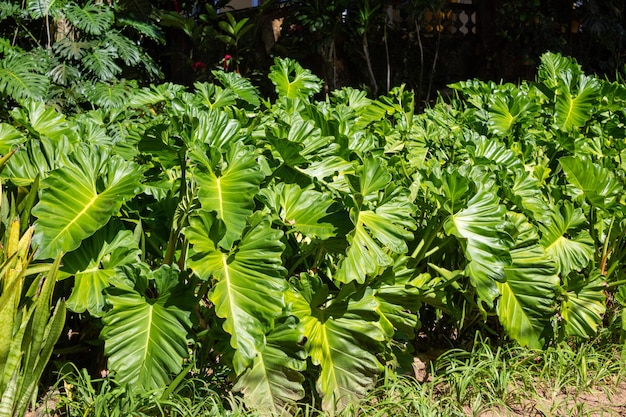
pixel 73 204
pixel 249 291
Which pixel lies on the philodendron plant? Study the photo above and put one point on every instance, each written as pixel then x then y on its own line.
pixel 299 240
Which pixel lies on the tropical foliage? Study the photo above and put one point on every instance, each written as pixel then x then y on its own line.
pixel 300 240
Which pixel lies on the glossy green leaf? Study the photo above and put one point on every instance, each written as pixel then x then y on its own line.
pixel 584 304
pixel 95 263
pixel 80 197
pixel 481 228
pixel 341 338
pixel 565 239
pixel 377 232
pixel 574 108
pixel 249 288
pixel 145 339
pixel 527 301
pixel 302 210
pixel 273 384
pixel 293 81
pixel 596 183
pixel 230 193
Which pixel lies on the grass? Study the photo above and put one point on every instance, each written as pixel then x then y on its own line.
pixel 563 380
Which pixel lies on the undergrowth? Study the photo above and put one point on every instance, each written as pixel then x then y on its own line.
pixel 485 380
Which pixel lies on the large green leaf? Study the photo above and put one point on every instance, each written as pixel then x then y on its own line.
pixel 18 80
pixel 95 263
pixel 399 300
pixel 527 301
pixel 274 382
pixel 80 197
pixel 216 129
pixel 574 103
pixel 293 81
pixel 565 240
pixel 342 337
pixel 303 210
pixel 482 228
pixel 241 86
pixel 584 304
pixel 146 338
pixel 596 183
pixel 92 18
pixel 44 121
pixel 387 227
pixel 10 137
pixel 229 193
pixel 299 142
pixel 509 109
pixel 249 291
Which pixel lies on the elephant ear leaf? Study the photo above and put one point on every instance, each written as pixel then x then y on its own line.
pixel 595 183
pixel 341 339
pixel 564 241
pixel 79 198
pixel 274 383
pixel 574 104
pixel 250 284
pixel 293 81
pixel 480 227
pixel 230 193
pixel 146 339
pixel 95 263
pixel 304 210
pixel 526 304
pixel 584 304
pixel 380 227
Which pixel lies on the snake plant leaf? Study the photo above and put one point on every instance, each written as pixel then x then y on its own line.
pixel 481 228
pixel 80 197
pixel 596 183
pixel 293 81
pixel 304 210
pixel 341 337
pixel 95 263
pixel 527 301
pixel 376 232
pixel 274 382
pixel 145 339
pixel 230 193
pixel 249 288
pixel 565 240
pixel 584 304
